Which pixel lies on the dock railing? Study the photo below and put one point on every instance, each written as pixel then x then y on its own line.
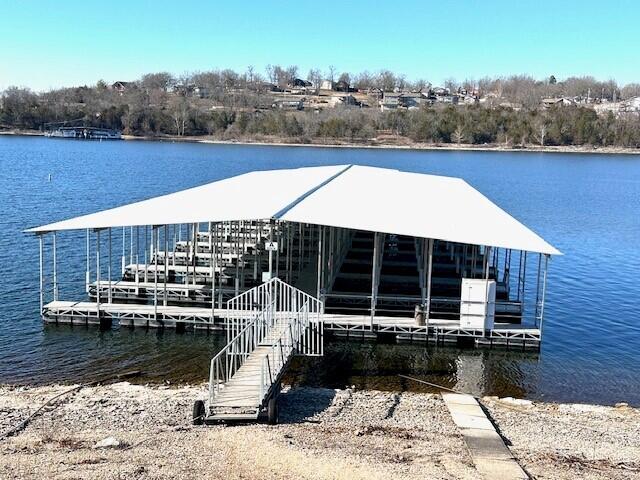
pixel 228 360
pixel 274 314
pixel 298 336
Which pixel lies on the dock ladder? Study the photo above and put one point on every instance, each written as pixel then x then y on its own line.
pixel 266 326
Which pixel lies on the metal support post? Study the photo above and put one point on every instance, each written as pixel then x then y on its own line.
pixel 427 310
pixel 41 241
pixel 213 271
pixel 271 251
pixel 544 290
pixel 109 296
pixel 166 266
pixel 374 278
pixel 320 234
pixel 98 273
pixel 154 235
pixel 88 272
pixel 538 286
pixel 55 269
pixel 196 227
pixel 124 250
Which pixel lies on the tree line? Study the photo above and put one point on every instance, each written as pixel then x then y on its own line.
pixel 237 106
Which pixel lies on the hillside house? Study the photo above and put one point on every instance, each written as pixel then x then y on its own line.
pixel 558 102
pixel 120 86
pixel 344 101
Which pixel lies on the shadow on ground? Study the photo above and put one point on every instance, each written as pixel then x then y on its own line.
pixel 302 404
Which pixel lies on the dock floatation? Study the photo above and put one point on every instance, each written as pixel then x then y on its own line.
pixel 421 257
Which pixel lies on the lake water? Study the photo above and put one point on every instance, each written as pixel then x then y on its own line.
pixel 587 205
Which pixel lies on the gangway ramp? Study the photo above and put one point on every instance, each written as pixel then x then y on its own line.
pixel 266 327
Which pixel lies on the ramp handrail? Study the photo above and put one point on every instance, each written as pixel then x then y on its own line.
pixel 252 316
pixel 281 298
pixel 300 335
pixel 228 360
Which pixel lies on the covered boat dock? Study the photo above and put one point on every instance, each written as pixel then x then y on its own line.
pixel 385 252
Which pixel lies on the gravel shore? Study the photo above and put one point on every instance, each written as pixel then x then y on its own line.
pixel 323 434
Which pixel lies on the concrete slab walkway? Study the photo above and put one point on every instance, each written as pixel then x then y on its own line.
pixel 491 457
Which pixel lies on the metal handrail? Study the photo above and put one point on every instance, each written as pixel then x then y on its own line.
pixel 244 342
pixel 286 346
pixel 252 316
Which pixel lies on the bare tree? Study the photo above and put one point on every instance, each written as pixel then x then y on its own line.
pixel 386 81
pixel 451 84
pixel 458 134
pixel 315 77
pixel 332 73
pixel 541 133
pixel 345 77
pixel 363 81
pixel 421 85
pixel 157 81
pixel 250 74
pixel 179 108
pixel 292 73
pixel 401 81
pixel 630 90
pixel 270 73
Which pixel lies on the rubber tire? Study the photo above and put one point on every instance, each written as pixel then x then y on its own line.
pixel 199 411
pixel 272 411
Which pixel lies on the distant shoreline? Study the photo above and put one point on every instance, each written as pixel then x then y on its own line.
pixel 338 143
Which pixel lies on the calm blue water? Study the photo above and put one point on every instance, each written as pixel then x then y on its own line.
pixel 588 206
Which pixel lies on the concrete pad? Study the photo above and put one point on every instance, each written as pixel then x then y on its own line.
pixel 486 444
pixel 501 469
pixel 491 457
pixel 461 408
pixel 450 398
pixel 471 421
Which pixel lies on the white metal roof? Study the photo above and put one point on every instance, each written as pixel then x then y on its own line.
pixel 349 196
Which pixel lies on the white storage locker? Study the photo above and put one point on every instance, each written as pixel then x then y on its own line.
pixel 477 303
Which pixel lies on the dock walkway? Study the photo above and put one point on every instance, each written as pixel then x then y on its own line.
pixel 269 325
pixel 144 315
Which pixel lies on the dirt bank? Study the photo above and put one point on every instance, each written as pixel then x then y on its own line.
pixel 400 143
pixel 324 434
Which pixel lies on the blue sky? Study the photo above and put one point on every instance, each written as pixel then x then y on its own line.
pixel 46 44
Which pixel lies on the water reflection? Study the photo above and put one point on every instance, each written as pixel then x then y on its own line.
pixel 368 365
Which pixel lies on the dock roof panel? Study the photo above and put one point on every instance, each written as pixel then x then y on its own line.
pixel 417 205
pixel 349 196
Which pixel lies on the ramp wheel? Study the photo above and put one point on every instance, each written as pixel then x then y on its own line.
pixel 272 411
pixel 198 412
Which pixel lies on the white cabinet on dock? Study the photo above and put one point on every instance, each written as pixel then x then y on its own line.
pixel 477 303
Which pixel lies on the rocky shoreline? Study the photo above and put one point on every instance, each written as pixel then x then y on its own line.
pixel 146 432
pixel 385 144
